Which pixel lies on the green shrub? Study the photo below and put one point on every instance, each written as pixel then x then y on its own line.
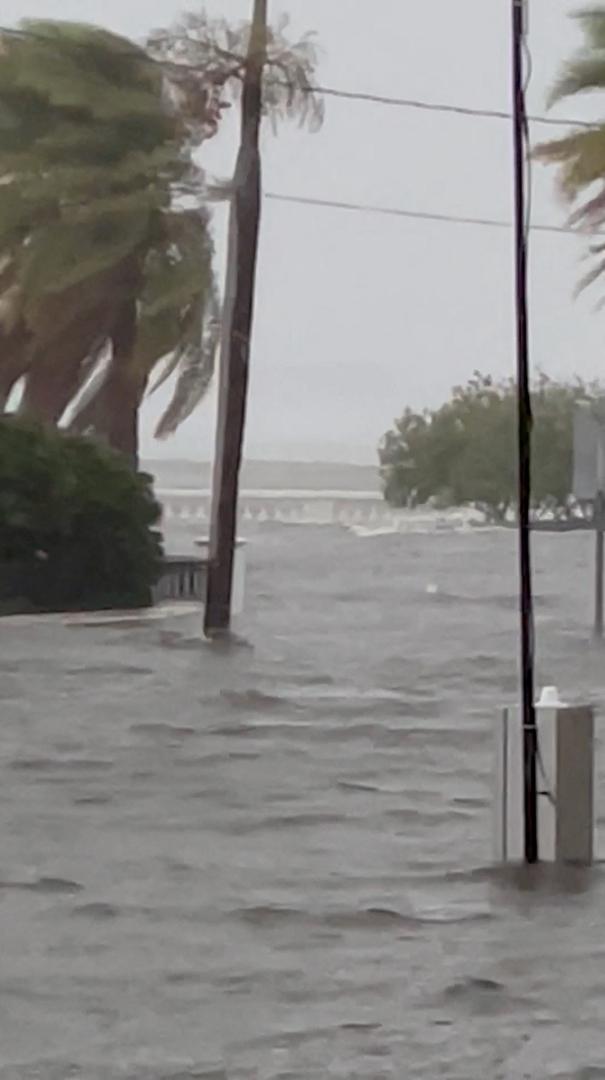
pixel 77 526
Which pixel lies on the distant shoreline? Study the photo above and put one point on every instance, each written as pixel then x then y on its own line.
pixel 304 481
pixel 269 475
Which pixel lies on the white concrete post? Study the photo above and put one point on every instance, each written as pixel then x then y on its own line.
pixel 239 579
pixel 565 783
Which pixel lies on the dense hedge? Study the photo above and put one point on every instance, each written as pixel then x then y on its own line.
pixel 77 526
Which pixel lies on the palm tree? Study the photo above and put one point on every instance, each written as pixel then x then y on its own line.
pixel 175 316
pixel 580 156
pixel 97 257
pixel 105 266
pixel 215 49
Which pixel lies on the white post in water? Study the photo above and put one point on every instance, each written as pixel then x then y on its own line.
pixel 565 783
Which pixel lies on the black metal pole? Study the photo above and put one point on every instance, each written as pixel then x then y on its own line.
pixel 530 740
pixel 599 520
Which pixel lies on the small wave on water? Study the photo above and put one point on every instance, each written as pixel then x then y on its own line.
pixel 421 522
pixel 48 885
pixel 68 1069
pixel 479 995
pixel 368 532
pixel 97 910
pixel 315 699
pixel 332 712
pixel 504 601
pixel 313 692
pixel 252 700
pixel 274 916
pixel 162 730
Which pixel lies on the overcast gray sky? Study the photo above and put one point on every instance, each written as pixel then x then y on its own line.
pixel 359 316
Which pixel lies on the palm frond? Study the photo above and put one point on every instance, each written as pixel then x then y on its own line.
pixel 208 58
pixel 580 157
pixel 83 67
pixel 173 358
pixel 590 216
pixel 588 279
pixel 92 375
pixel 195 373
pixel 65 253
pixel 585 73
pixel 592 24
pixel 181 268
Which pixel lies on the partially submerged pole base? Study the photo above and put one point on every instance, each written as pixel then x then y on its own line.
pixel 221 620
pixel 566 824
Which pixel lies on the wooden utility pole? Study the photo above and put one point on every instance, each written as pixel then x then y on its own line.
pixel 524 420
pixel 244 225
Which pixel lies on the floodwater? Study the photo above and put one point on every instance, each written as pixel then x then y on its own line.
pixel 270 861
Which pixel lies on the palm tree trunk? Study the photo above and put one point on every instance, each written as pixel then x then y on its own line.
pixel 50 383
pixel 113 413
pixel 118 412
pixel 54 372
pixel 13 361
pixel 73 323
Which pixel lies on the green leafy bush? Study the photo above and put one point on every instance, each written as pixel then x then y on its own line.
pixel 77 526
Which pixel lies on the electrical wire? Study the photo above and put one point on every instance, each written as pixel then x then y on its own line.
pixel 439 107
pixel 386 211
pixel 413 215
pixel 331 91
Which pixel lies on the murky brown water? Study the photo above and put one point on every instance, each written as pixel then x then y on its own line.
pixel 270 862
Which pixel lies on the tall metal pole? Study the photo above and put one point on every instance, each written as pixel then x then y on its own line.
pixel 599 567
pixel 599 522
pixel 530 735
pixel 244 226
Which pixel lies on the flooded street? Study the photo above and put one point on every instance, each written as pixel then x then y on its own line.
pixel 270 861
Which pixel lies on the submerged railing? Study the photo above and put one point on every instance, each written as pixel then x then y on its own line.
pixel 182 578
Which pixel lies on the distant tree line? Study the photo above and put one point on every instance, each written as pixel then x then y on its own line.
pixel 465 452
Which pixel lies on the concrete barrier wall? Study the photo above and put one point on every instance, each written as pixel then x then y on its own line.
pixel 307 508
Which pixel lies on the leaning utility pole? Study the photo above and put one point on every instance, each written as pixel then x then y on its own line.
pixel 244 224
pixel 524 421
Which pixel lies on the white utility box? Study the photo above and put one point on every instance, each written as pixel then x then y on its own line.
pixel 565 773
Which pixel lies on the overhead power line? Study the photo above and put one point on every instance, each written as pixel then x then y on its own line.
pixel 346 95
pixel 439 107
pixel 414 215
